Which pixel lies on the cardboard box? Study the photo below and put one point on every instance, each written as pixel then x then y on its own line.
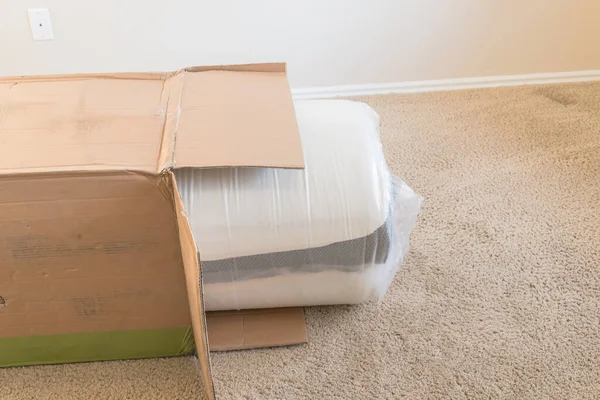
pixel 97 259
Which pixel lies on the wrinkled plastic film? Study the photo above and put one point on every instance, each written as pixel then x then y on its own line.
pixel 334 233
pixel 406 207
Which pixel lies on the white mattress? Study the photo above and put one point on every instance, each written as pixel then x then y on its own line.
pixel 334 233
pixel 342 194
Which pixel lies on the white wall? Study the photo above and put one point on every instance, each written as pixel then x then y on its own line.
pixel 325 42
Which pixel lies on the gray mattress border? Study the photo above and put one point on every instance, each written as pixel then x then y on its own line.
pixel 348 256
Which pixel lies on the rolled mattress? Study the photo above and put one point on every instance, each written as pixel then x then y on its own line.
pixel 333 233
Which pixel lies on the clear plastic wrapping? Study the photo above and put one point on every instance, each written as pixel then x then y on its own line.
pixel 334 233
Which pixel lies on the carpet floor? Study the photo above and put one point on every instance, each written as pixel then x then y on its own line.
pixel 499 297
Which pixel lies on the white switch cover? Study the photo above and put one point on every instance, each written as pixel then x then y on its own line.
pixel 39 21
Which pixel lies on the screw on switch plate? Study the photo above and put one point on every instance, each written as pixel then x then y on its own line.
pixel 39 21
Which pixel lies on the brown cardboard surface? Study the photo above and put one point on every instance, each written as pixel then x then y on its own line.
pixel 191 266
pixel 231 118
pixel 93 235
pixel 91 124
pixel 227 116
pixel 248 329
pixel 88 253
pixel 171 97
pixel 258 67
pixel 160 76
pixel 198 117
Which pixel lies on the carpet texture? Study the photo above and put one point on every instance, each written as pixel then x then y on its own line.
pixel 499 297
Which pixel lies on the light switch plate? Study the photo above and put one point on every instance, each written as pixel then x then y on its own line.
pixel 39 21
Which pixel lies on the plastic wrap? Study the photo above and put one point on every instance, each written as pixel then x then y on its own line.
pixel 334 233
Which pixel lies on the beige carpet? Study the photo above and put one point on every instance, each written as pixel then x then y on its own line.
pixel 499 298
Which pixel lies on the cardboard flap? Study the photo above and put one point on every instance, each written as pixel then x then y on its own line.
pixel 249 329
pixel 221 116
pixel 193 278
pixel 81 123
pixel 233 117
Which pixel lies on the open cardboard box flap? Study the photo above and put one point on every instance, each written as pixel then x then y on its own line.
pixel 132 130
pixel 237 116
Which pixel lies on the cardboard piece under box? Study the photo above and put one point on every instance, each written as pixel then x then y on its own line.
pixel 97 259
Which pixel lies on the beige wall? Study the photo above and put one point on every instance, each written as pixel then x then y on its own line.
pixel 325 42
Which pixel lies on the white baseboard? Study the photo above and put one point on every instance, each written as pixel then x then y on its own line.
pixel 445 84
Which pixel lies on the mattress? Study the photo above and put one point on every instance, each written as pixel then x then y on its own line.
pixel 276 237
